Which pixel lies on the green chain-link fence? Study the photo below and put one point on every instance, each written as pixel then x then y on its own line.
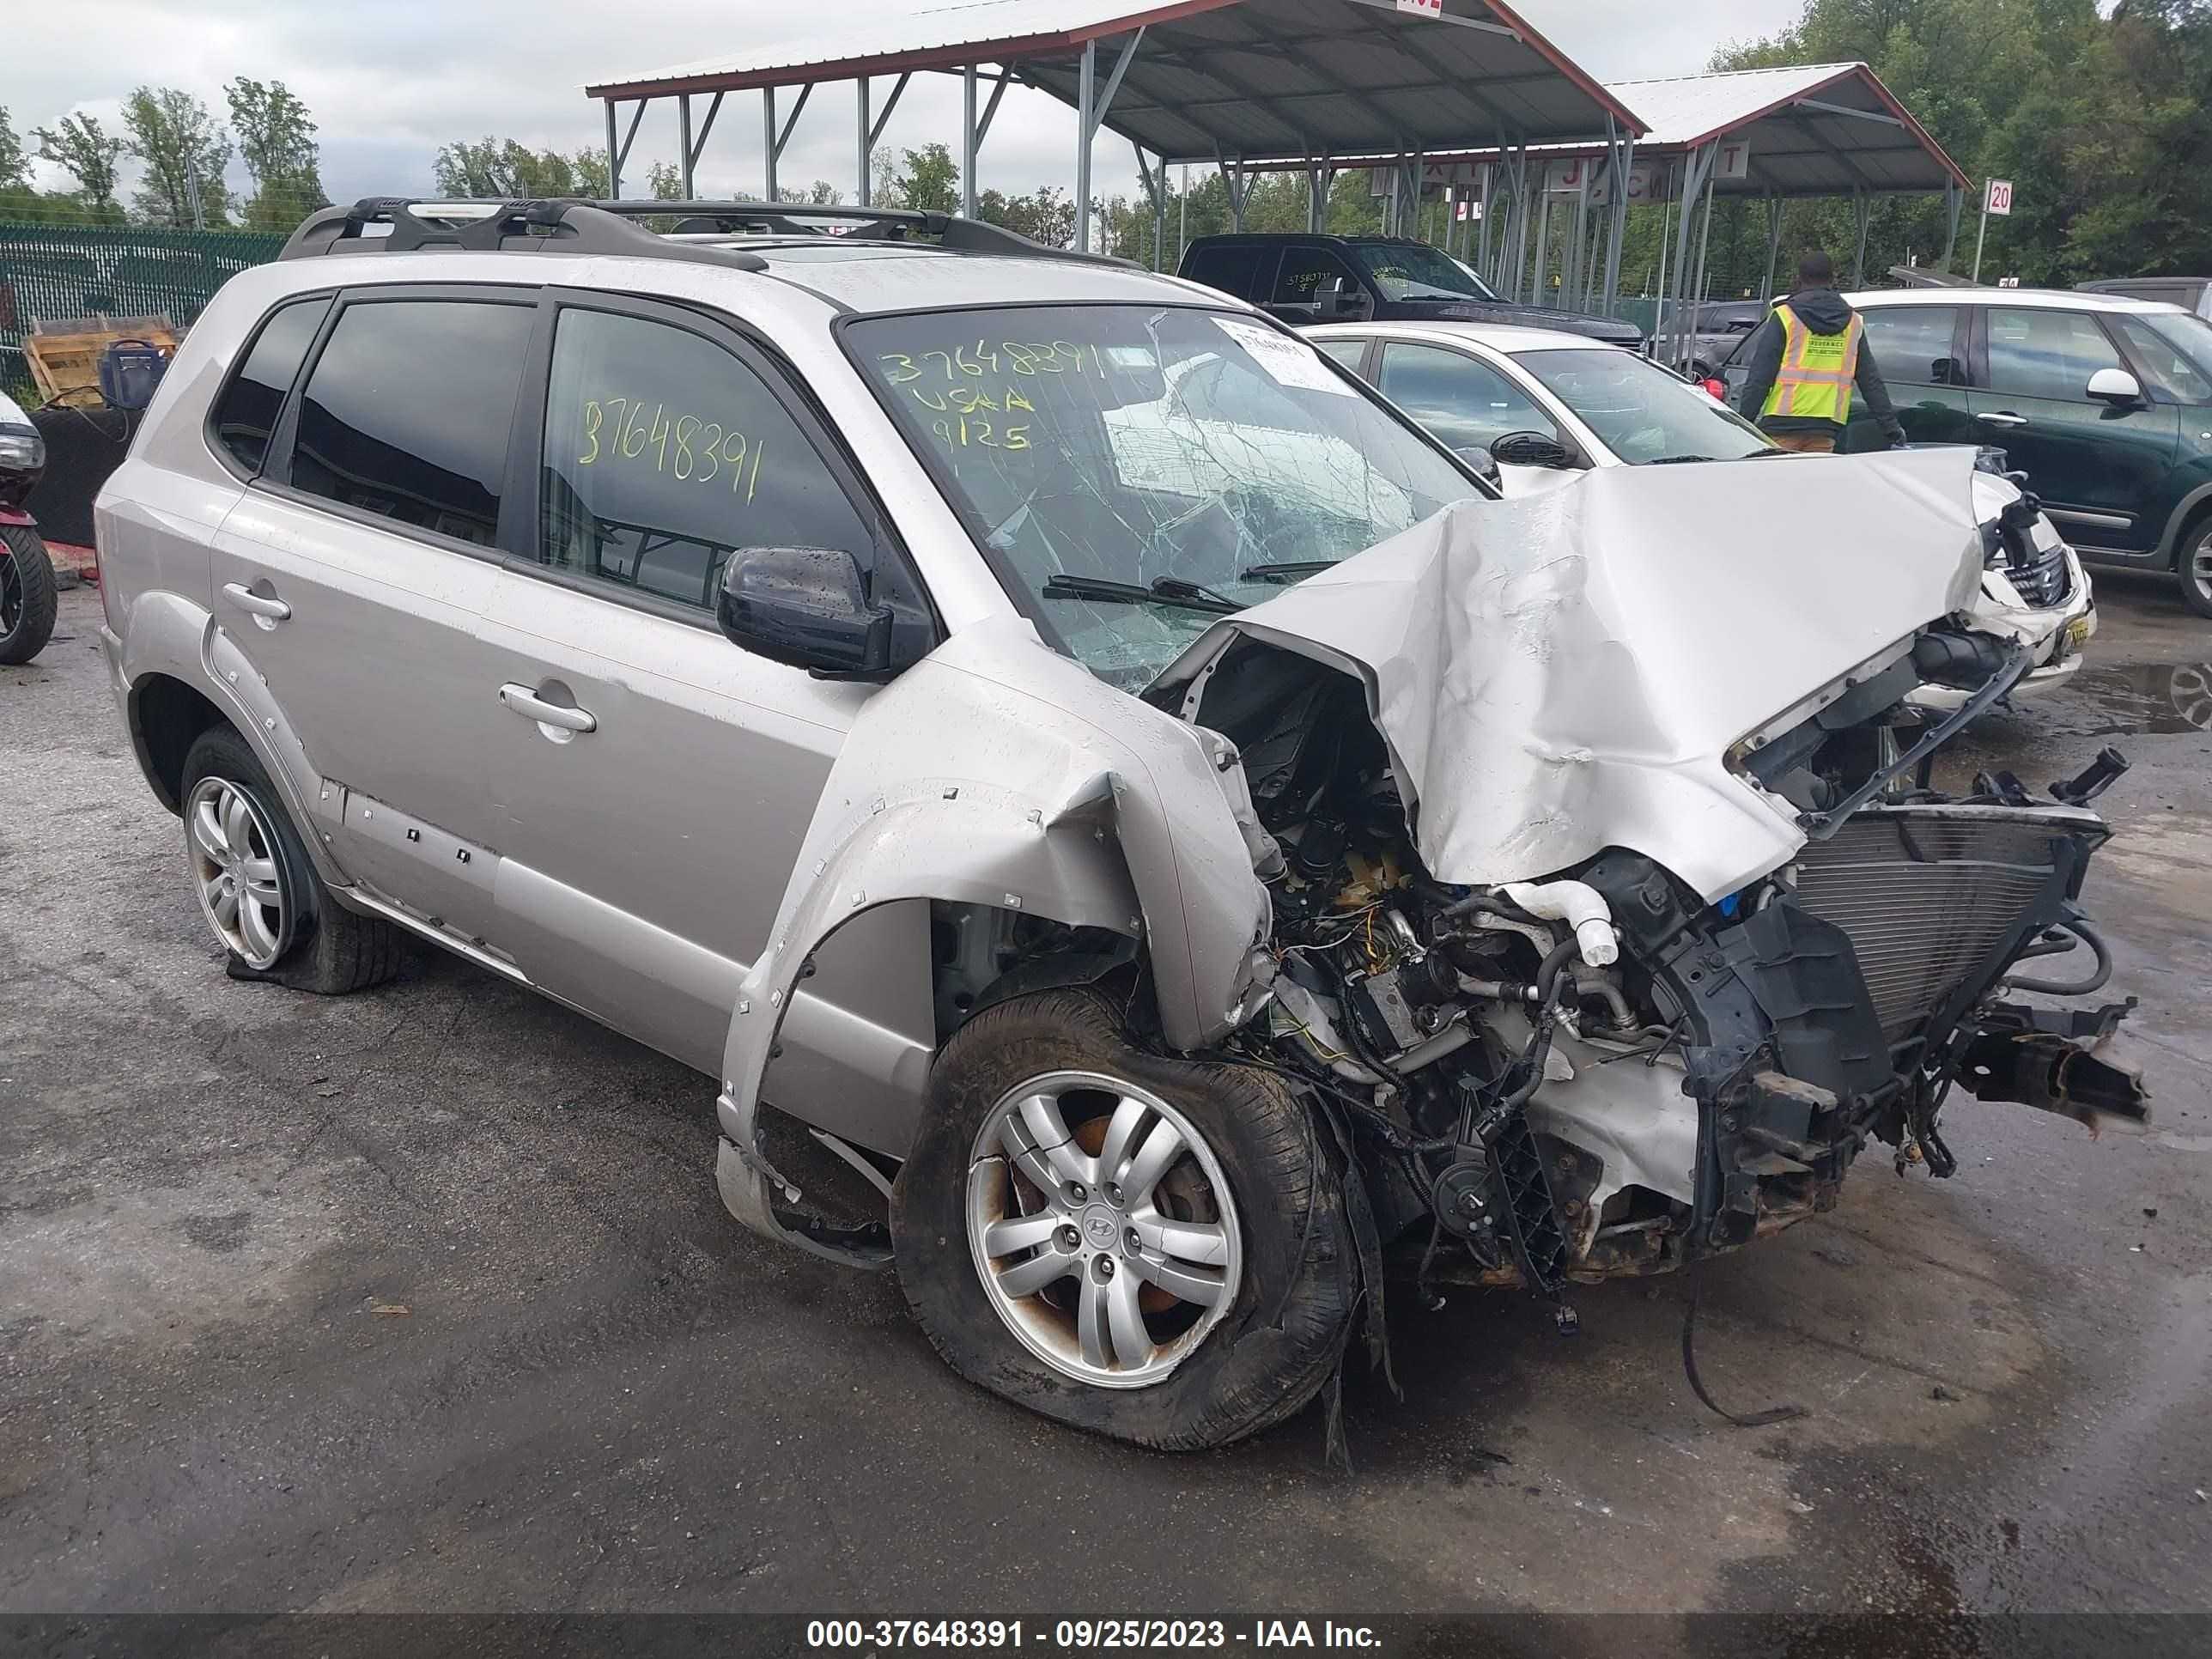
pixel 55 271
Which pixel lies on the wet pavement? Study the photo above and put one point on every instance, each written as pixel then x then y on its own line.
pixel 423 1299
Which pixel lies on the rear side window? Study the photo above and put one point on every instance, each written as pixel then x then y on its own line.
pixel 1912 344
pixel 246 412
pixel 407 412
pixel 665 454
pixel 1233 267
pixel 1347 352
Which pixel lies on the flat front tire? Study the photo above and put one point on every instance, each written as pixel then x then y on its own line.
pixel 257 887
pixel 1153 1248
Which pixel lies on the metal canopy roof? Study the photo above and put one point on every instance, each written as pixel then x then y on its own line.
pixel 1239 78
pixel 1812 130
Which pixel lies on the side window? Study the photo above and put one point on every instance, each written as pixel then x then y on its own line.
pixel 1912 344
pixel 246 414
pixel 407 411
pixel 1347 352
pixel 664 454
pixel 1461 399
pixel 1232 267
pixel 2170 370
pixel 2046 354
pixel 1308 272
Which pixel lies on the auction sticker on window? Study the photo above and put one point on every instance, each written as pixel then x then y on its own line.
pixel 1289 361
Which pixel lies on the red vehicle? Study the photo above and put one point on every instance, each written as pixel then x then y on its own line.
pixel 27 575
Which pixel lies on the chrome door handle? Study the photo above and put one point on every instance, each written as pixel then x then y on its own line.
pixel 528 704
pixel 2001 418
pixel 247 600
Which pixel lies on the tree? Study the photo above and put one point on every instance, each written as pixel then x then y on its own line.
pixel 186 154
pixel 512 171
pixel 929 182
pixel 13 174
pixel 663 182
pixel 276 141
pixel 1047 216
pixel 76 145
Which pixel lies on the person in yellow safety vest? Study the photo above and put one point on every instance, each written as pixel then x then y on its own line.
pixel 1805 361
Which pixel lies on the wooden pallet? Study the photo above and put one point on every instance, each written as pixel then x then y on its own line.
pixel 64 358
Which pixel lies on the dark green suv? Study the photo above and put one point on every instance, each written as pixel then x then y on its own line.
pixel 2105 402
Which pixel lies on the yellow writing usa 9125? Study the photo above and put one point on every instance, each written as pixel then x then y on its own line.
pixel 617 429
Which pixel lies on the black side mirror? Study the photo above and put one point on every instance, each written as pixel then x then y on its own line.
pixel 1530 449
pixel 1343 301
pixel 809 607
pixel 1481 462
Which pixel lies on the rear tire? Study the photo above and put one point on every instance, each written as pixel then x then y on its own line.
pixel 26 595
pixel 259 892
pixel 2194 566
pixel 1246 1349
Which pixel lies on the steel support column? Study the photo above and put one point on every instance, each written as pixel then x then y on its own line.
pixel 1863 210
pixel 1773 245
pixel 1543 235
pixel 1696 173
pixel 614 167
pixel 967 145
pixel 684 146
pixel 1617 231
pixel 1086 97
pixel 769 145
pixel 696 146
pixel 1953 199
pixel 867 145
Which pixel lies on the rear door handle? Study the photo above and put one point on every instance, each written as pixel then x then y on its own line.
pixel 2004 417
pixel 528 704
pixel 247 600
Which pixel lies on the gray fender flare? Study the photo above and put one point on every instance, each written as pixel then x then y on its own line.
pixel 997 772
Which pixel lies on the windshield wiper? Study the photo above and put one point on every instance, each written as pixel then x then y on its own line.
pixel 1677 460
pixel 1290 570
pixel 1162 590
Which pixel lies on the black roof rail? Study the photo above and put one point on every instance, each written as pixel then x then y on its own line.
pixel 571 225
pixel 558 224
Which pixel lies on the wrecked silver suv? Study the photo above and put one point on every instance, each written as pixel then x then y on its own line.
pixel 1144 842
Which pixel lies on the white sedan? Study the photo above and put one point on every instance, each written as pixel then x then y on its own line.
pixel 1542 406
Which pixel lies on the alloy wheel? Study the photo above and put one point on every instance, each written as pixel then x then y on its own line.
pixel 2200 567
pixel 1102 1226
pixel 235 871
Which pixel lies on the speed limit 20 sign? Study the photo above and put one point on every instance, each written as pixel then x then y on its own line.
pixel 1999 199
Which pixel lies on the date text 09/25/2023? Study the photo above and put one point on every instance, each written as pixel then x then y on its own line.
pixel 1085 1635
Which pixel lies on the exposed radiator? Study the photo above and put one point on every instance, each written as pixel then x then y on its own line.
pixel 1927 892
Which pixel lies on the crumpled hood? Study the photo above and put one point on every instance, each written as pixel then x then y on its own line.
pixel 1566 672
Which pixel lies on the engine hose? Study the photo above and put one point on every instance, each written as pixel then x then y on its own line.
pixel 2103 971
pixel 1547 975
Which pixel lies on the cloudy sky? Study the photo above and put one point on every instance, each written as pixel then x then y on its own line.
pixel 390 81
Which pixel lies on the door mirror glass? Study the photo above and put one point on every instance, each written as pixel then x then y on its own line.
pixel 1484 463
pixel 809 607
pixel 1530 449
pixel 2115 386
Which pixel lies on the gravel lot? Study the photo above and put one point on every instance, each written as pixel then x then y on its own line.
pixel 423 1300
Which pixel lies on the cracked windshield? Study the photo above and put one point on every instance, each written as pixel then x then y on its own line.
pixel 1138 471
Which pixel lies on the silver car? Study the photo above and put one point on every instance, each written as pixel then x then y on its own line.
pixel 1139 838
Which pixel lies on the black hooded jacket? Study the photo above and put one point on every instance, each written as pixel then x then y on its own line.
pixel 1825 312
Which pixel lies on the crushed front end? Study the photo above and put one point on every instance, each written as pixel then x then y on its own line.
pixel 1621 1022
